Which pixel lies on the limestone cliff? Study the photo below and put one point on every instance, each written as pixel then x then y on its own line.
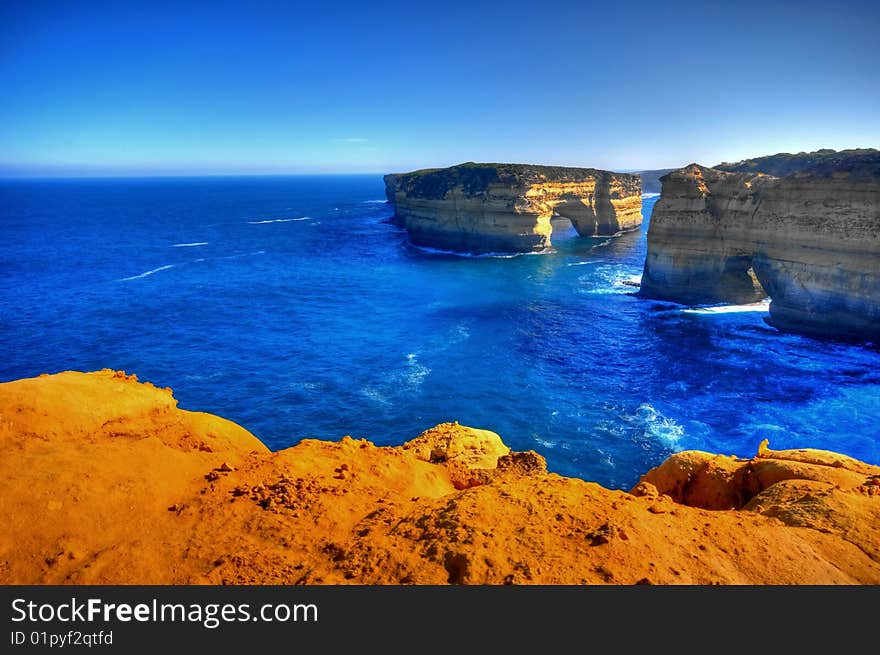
pixel 105 481
pixel 480 208
pixel 810 240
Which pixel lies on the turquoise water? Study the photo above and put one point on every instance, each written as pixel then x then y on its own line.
pixel 290 305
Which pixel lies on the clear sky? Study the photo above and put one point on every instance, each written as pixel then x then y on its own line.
pixel 132 87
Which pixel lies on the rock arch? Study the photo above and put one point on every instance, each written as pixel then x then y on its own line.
pixel 481 208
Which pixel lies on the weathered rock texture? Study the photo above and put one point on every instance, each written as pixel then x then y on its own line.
pixel 810 240
pixel 104 480
pixel 480 208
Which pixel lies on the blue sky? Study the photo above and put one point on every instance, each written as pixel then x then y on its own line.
pixel 289 87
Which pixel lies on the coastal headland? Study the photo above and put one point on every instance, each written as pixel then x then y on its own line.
pixel 104 480
pixel 803 229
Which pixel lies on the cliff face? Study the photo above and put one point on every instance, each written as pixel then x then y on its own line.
pixel 811 241
pixel 480 208
pixel 105 481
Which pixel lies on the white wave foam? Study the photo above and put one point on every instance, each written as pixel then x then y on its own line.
pixel 155 270
pixel 619 233
pixel 407 380
pixel 375 395
pixel 606 458
pixel 190 245
pixel 546 443
pixel 244 254
pixel 610 279
pixel 280 220
pixel 461 333
pixel 375 202
pixel 417 372
pixel 659 427
pixel 452 337
pixel 650 195
pixel 485 255
pixel 596 261
pixel 763 306
pixel 304 386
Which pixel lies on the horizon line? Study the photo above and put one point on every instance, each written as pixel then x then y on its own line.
pixel 142 176
pixel 120 176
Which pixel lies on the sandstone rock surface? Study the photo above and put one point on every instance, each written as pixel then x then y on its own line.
pixel 482 208
pixel 810 240
pixel 105 481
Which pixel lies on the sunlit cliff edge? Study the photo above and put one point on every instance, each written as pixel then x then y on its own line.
pixel 802 228
pixel 105 480
pixel 482 208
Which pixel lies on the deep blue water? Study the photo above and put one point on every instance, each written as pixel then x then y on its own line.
pixel 326 322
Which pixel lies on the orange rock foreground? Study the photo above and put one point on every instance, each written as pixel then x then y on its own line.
pixel 104 480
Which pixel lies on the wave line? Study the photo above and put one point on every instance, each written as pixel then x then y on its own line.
pixel 155 270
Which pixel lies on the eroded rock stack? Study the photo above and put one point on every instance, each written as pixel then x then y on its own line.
pixel 481 208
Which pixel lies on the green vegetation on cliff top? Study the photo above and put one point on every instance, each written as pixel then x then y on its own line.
pixel 858 162
pixel 474 178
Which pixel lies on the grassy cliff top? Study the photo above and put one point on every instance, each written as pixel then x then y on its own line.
pixel 475 178
pixel 858 162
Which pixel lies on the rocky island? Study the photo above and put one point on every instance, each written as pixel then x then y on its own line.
pixel 104 480
pixel 483 208
pixel 803 229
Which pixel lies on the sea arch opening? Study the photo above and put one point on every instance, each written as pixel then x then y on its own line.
pixel 590 215
pixel 739 280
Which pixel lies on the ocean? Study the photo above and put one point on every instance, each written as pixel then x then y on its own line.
pixel 291 306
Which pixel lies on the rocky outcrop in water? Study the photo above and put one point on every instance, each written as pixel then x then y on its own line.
pixel 809 240
pixel 481 208
pixel 104 480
